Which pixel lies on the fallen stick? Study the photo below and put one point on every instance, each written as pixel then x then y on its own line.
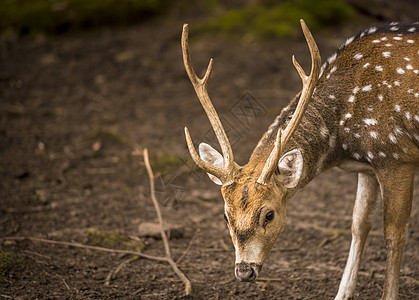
pixel 78 245
pixel 167 258
pixel 112 274
pixel 179 273
pixel 188 248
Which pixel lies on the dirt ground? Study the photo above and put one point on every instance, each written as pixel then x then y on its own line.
pixel 72 110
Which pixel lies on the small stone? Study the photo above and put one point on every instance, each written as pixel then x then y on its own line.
pixel 149 229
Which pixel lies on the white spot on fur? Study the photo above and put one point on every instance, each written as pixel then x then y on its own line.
pixel 345 147
pixel 388 45
pixel 370 121
pixel 366 88
pixel 358 56
pixel 398 131
pixel 372 30
pixel 396 156
pixel 350 40
pixel 409 67
pixel 356 156
pixel 370 155
pixel 333 69
pixel 351 98
pixel 332 97
pixel 410 41
pixel 400 71
pixel 379 68
pixel 384 38
pixel 408 116
pixel 394 28
pixel 416 117
pixel 386 54
pixel 341 122
pixel 366 65
pixel 397 108
pixel 374 134
pixel 380 97
pixel 397 38
pixel 356 90
pixel 347 129
pixel 411 29
pixel 331 59
pixel 376 41
pixel 397 83
pixel 410 91
pixel 392 138
pixel 357 135
pixel 382 154
pixel 348 116
pixel 406 59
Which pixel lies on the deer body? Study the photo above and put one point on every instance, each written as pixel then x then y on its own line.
pixel 360 112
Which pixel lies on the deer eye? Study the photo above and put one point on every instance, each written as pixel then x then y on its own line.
pixel 269 216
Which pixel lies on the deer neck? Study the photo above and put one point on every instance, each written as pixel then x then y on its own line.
pixel 316 138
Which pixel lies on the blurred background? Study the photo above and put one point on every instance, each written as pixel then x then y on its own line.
pixel 85 83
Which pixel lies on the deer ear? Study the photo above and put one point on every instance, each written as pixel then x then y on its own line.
pixel 290 167
pixel 213 157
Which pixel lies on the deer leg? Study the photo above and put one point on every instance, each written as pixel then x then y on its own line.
pixel 397 192
pixel 366 197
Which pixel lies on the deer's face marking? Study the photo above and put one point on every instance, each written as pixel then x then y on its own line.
pixel 255 215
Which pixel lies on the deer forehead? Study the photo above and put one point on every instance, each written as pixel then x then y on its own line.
pixel 243 196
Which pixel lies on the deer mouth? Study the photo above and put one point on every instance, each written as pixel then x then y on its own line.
pixel 246 272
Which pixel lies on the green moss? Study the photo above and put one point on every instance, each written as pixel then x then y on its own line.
pixel 56 16
pixel 112 240
pixel 165 163
pixel 267 21
pixel 11 265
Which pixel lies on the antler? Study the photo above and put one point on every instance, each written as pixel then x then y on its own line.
pixel 200 86
pixel 309 82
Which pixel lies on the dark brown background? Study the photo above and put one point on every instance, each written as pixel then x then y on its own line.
pixel 74 107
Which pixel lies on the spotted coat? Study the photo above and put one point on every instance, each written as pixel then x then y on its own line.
pixel 365 107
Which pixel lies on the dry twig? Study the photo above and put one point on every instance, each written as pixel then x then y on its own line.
pixel 189 247
pixel 167 258
pixel 188 286
pixel 112 274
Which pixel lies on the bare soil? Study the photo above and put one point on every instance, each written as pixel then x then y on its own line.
pixel 72 110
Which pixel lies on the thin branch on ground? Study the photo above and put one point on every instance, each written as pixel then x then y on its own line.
pixel 112 274
pixel 179 273
pixel 189 246
pixel 156 204
pixel 78 245
pixel 66 285
pixel 167 258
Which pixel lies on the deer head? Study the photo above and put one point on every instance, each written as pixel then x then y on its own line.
pixel 255 195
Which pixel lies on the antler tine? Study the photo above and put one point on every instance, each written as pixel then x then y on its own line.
pixel 200 86
pixel 219 173
pixel 272 160
pixel 309 83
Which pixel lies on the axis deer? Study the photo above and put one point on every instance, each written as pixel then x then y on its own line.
pixel 360 112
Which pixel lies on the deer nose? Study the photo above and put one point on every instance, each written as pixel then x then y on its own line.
pixel 246 271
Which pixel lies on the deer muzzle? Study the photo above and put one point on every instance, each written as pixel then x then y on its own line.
pixel 247 271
